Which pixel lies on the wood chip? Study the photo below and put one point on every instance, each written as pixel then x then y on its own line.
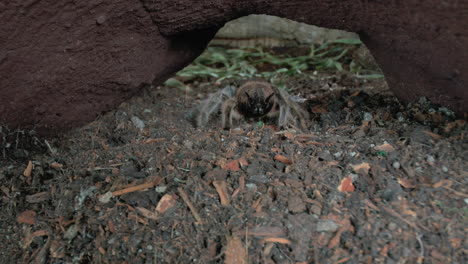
pixel 363 167
pixel 444 183
pixel 233 165
pixel 27 172
pixel 346 185
pixel 153 140
pixel 279 240
pixel 147 213
pixel 385 147
pixel 38 197
pixel 27 217
pixel 221 188
pixel 235 252
pixel 277 150
pixel 432 135
pixel 455 242
pixel 282 159
pixel 407 183
pixel 137 187
pixel 167 201
pixel 243 162
pixel 56 165
pixel 190 205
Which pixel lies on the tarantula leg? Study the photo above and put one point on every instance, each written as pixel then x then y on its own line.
pixel 226 113
pixel 283 116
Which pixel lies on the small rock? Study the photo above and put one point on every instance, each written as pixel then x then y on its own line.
pixel 161 189
pixel 324 156
pixel 137 122
pixel 101 19
pixel 105 198
pixel 338 154
pixel 251 186
pixel 71 232
pixel 392 226
pixel 327 226
pixel 188 144
pixel 260 178
pixel 430 158
pixel 367 116
pixel 84 193
pixel 296 205
pixel 444 169
pixel 315 209
pixel 396 165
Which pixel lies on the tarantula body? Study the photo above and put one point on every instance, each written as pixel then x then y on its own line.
pixel 254 100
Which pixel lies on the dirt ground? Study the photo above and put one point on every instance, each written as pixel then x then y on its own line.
pixel 372 181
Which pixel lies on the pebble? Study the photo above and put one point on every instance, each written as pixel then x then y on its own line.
pixel 367 116
pixel 396 165
pixel 251 186
pixel 327 226
pixel 161 189
pixel 392 226
pixel 444 169
pixel 137 122
pixel 430 158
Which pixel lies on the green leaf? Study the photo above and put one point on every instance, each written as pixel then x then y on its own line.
pixel 349 41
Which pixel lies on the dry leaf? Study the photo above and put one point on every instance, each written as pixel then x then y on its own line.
pixel 235 252
pixel 385 147
pixel 27 172
pixel 346 185
pixel 167 201
pixel 282 159
pixel 27 217
pixel 364 167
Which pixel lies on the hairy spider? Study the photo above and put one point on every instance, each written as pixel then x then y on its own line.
pixel 254 100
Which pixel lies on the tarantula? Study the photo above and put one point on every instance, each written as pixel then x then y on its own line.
pixel 254 100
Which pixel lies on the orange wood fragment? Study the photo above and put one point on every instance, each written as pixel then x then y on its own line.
pixel 221 188
pixel 283 159
pixel 346 185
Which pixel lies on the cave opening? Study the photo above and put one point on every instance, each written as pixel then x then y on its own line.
pixel 327 70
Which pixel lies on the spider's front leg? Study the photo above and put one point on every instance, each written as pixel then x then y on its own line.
pixel 228 113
